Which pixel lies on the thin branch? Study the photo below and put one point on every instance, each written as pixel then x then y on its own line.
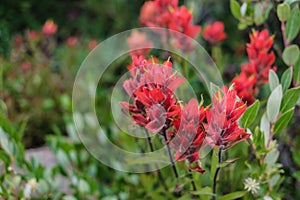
pixel 216 173
pixel 160 177
pixel 164 132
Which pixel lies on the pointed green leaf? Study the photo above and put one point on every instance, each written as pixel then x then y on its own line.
pixel 234 195
pixel 290 54
pixel 290 99
pixel 273 105
pixel 273 80
pixel 235 9
pixel 250 114
pixel 283 121
pixel 293 24
pixel 286 79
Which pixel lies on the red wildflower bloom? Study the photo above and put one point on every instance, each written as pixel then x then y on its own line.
pixel 214 32
pixel 157 13
pixel 181 21
pixel 137 41
pixel 154 105
pixel 49 28
pixel 245 87
pixel 256 72
pixel 222 127
pixel 189 135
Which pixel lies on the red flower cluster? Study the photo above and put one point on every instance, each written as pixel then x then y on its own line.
pixel 167 14
pixel 222 127
pixel 190 134
pixel 152 90
pixel 189 127
pixel 255 73
pixel 214 32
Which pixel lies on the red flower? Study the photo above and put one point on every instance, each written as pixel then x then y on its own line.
pixel 137 41
pixel 214 32
pixel 245 87
pixel 222 127
pixel 49 28
pixel 256 72
pixel 181 21
pixel 157 13
pixel 260 60
pixel 154 104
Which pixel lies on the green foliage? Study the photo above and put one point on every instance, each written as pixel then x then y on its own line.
pixel 283 12
pixel 291 54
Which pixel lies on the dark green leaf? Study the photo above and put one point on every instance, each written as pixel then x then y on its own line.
pixel 283 121
pixel 293 24
pixel 290 99
pixel 234 195
pixel 286 79
pixel 250 114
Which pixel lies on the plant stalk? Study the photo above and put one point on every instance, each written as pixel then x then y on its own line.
pixel 216 173
pixel 160 177
pixel 169 153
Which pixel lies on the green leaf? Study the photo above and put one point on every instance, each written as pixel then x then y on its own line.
pixel 203 191
pixel 283 121
pixel 235 9
pixel 227 162
pixel 290 54
pixel 271 158
pixel 286 78
pixel 265 128
pixel 297 71
pixel 290 99
pixel 250 114
pixel 283 11
pixel 273 80
pixel 234 195
pixel 273 105
pixel 293 24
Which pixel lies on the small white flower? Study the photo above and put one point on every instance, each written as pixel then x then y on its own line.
pixel 251 185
